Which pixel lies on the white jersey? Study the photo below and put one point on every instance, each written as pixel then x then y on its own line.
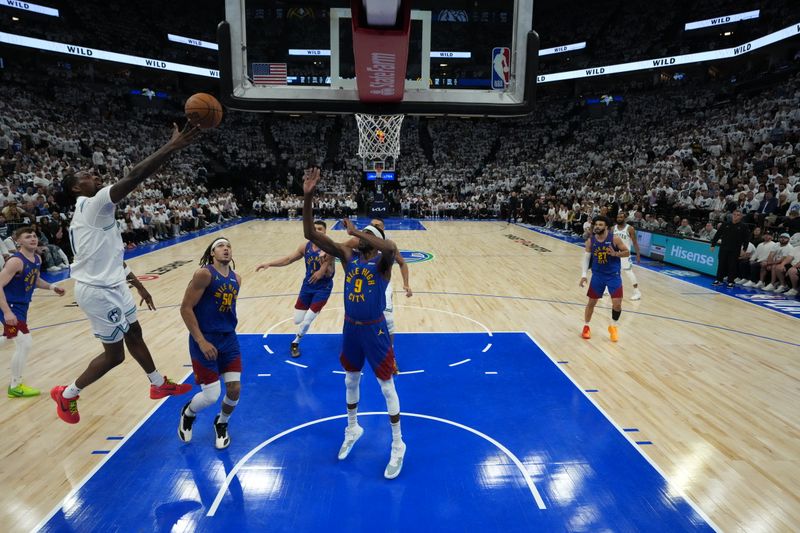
pixel 96 241
pixel 624 236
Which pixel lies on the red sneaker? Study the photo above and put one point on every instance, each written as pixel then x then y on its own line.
pixel 67 409
pixel 168 388
pixel 586 333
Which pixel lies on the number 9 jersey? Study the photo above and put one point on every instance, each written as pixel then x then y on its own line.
pixel 364 288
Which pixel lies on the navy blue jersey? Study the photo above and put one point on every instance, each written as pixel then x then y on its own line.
pixel 364 288
pixel 216 310
pixel 602 263
pixel 314 261
pixel 20 288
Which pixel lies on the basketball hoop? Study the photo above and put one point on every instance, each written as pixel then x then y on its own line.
pixel 378 138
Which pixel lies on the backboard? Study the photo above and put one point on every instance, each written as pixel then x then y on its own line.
pixel 475 58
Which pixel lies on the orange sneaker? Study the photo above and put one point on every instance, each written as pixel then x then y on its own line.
pixel 67 409
pixel 614 334
pixel 168 388
pixel 587 333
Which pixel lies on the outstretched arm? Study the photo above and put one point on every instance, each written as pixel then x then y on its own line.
pixel 324 242
pixel 283 261
pixel 404 272
pixel 143 170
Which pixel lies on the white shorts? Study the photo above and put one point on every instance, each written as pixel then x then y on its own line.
pixel 625 263
pixel 111 310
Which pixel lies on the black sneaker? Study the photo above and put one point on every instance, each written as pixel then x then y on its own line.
pixel 295 350
pixel 716 284
pixel 222 439
pixel 185 425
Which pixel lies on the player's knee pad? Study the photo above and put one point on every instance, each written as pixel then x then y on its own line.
pixel 208 395
pixel 392 400
pixel 631 276
pixel 299 315
pixel 389 315
pixel 351 383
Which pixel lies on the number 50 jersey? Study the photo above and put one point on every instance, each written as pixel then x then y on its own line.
pixel 216 310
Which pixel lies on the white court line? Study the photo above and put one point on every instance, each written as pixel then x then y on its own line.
pixel 460 362
pixel 235 470
pixel 269 351
pixel 487 348
pixel 71 494
pixel 635 446
pixel 481 324
pixel 490 373
pixel 295 364
pixel 263 375
pixel 410 372
pixel 339 372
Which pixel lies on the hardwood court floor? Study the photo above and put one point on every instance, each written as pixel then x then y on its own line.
pixel 706 378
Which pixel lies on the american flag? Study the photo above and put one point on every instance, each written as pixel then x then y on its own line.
pixel 269 73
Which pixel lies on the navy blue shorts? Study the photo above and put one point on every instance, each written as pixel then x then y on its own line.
pixel 313 298
pixel 599 283
pixel 368 342
pixel 229 357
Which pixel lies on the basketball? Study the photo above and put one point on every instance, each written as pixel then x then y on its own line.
pixel 203 110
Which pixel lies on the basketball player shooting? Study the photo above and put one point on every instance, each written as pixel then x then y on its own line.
pixel 99 273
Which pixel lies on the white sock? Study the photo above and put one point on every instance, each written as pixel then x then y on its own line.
pixel 72 391
pixel 156 378
pixel 223 417
pixel 20 357
pixel 352 417
pixel 297 339
pixel 396 435
pixel 586 324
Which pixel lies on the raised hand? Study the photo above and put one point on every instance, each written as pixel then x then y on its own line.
pixel 348 225
pixel 311 179
pixel 185 137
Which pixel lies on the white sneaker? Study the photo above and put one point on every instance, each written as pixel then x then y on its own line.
pixel 351 435
pixel 791 292
pixel 395 461
pixel 781 289
pixel 737 281
pixel 53 269
pixel 636 295
pixel 759 285
pixel 748 284
pixel 770 287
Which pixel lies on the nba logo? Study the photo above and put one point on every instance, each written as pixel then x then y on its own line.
pixel 501 67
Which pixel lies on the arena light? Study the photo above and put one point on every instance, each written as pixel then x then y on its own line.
pixel 561 49
pixel 33 8
pixel 672 61
pixel 719 21
pixel 103 55
pixel 192 42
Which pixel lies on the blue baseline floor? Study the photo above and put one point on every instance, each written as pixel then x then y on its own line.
pixel 590 477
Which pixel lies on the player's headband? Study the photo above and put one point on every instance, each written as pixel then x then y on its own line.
pixel 218 242
pixel 375 231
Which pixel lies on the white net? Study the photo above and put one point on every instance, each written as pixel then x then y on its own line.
pixel 379 136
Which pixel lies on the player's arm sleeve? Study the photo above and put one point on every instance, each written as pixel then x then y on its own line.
pixel 99 209
pixel 585 264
